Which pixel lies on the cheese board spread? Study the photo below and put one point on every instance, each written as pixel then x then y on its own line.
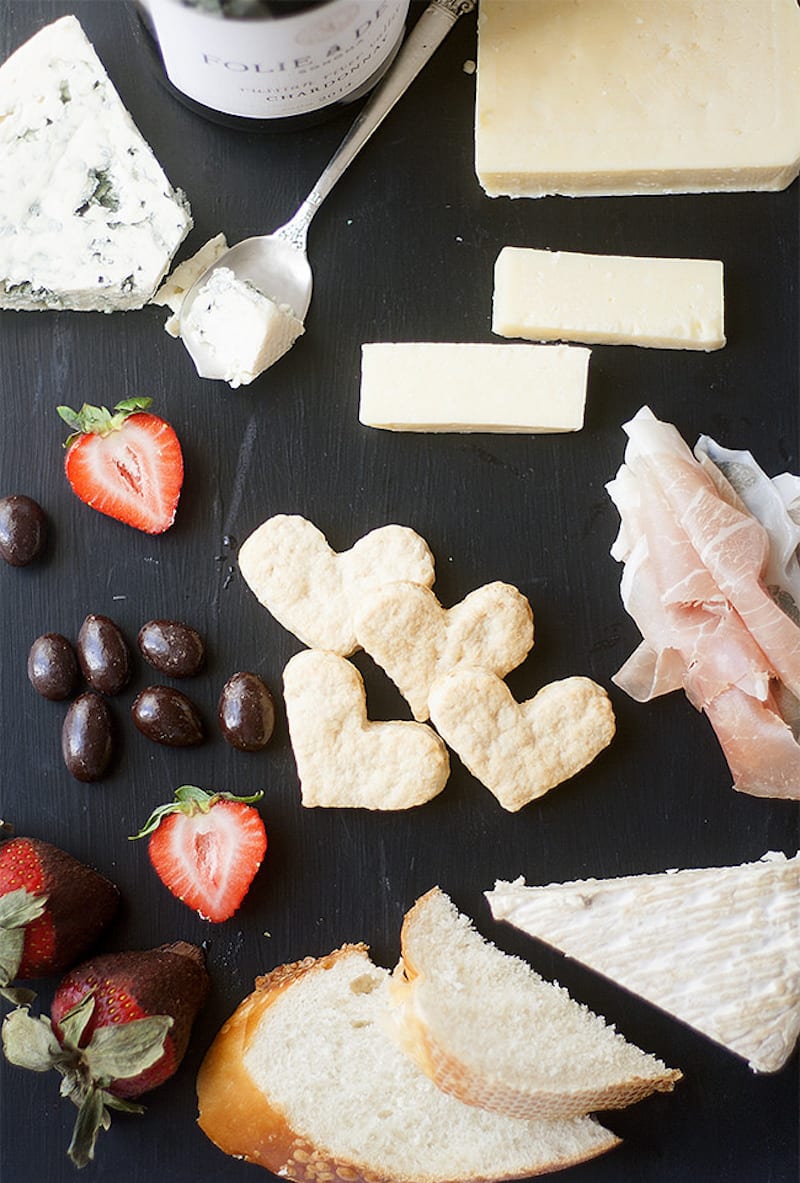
pixel 282 630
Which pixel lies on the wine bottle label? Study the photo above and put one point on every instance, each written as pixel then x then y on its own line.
pixel 271 68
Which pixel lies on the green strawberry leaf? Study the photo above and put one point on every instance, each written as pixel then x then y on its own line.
pixel 17 909
pixel 12 943
pixel 154 821
pixel 70 417
pixel 193 798
pixel 30 1043
pixel 73 1086
pixel 17 995
pixel 91 1116
pixel 20 907
pixel 133 405
pixel 73 1024
pixel 121 1104
pixel 126 1049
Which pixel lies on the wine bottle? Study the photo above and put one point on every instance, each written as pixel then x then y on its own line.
pixel 267 65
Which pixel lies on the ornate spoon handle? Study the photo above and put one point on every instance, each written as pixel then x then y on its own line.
pixel 428 33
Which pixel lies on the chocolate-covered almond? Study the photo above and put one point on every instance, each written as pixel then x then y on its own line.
pixel 103 654
pixel 171 647
pixel 246 712
pixel 52 666
pixel 87 737
pixel 167 716
pixel 23 529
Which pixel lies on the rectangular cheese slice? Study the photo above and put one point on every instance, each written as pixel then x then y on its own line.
pixel 608 299
pixel 473 387
pixel 637 96
pixel 88 220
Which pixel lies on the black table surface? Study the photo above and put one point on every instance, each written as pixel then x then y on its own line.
pixel 403 250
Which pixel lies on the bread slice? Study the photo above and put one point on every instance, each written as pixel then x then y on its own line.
pixel 305 1080
pixel 488 1029
pixel 717 948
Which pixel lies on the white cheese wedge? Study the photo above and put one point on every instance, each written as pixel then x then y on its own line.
pixel 424 386
pixel 637 96
pixel 717 948
pixel 608 299
pixel 240 330
pixel 88 220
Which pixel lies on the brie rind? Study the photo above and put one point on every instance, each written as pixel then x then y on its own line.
pixel 88 220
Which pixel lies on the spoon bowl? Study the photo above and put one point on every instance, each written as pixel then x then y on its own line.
pixel 275 264
pixel 271 263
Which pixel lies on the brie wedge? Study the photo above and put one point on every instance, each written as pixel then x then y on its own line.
pixel 717 948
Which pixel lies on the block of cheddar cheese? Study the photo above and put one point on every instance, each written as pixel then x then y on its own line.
pixel 438 386
pixel 637 96
pixel 608 299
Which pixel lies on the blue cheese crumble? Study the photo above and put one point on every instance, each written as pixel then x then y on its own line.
pixel 234 331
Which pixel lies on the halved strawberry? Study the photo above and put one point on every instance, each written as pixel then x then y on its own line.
pixel 52 908
pixel 127 463
pixel 120 1025
pixel 206 848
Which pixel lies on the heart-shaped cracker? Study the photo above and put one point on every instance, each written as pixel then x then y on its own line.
pixel 521 750
pixel 313 591
pixel 344 759
pixel 415 640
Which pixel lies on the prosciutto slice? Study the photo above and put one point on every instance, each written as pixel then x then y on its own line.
pixel 695 559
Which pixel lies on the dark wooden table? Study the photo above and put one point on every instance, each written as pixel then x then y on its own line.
pixel 403 250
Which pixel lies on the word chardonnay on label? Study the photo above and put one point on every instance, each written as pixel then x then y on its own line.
pixel 272 63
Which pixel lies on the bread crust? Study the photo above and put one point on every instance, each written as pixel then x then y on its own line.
pixel 241 1120
pixel 233 1111
pixel 453 1076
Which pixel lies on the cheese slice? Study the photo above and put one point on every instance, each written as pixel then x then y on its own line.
pixel 88 220
pixel 429 386
pixel 637 96
pixel 615 300
pixel 717 948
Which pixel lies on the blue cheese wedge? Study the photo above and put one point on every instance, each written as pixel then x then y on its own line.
pixel 88 220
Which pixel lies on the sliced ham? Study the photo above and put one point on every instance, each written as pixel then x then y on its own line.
pixel 693 581
pixel 771 501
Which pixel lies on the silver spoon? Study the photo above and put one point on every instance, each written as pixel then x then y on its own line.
pixel 277 264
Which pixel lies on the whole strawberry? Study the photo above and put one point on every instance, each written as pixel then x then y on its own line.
pixel 120 1025
pixel 127 463
pixel 52 909
pixel 206 848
